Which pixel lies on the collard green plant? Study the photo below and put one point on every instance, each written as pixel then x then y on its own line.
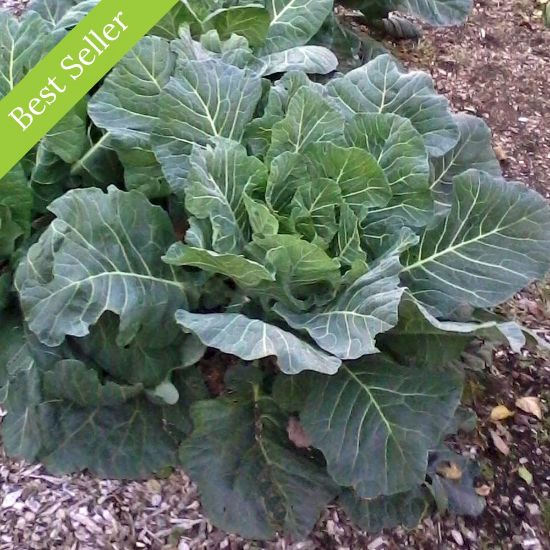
pixel 199 257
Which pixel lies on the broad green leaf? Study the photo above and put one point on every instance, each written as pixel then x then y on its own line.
pixel 68 139
pixel 436 12
pixel 309 119
pixel 52 10
pixel 396 145
pixel 102 253
pixel 217 180
pixel 294 22
pixel 290 391
pixel 421 339
pixel 347 326
pixel 310 59
pixel 493 242
pixel 375 422
pixel 473 151
pixel 204 100
pixel 347 244
pixel 15 215
pixel 74 15
pixel 381 87
pixel 73 381
pixel 251 21
pixel 251 481
pixel 385 512
pixel 253 339
pixel 190 12
pixel 243 271
pixel 313 209
pixel 298 264
pixel 23 42
pixel 147 361
pixel 122 441
pixel 5 289
pixel 127 104
pixel 260 217
pixel 361 179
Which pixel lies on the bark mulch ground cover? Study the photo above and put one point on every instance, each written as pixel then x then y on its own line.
pixel 497 67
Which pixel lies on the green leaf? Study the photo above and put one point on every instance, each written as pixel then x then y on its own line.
pixel 74 15
pixel 380 87
pixel 15 214
pixel 251 481
pixel 361 179
pixel 214 190
pixel 421 339
pixel 347 245
pixel 294 22
pixel 251 21
pixel 386 512
pixel 127 104
pixel 436 12
pixel 73 381
pixel 102 253
pixel 313 207
pixel 309 119
pixel 23 42
pixel 243 271
pixel 493 242
pixel 347 326
pixel 261 218
pixel 298 264
pixel 375 422
pixel 252 339
pixel 204 100
pixel 473 151
pixel 310 59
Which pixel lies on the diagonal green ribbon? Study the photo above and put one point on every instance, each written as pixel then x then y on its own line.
pixel 56 84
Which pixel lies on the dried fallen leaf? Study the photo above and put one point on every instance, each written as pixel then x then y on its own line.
pixel 296 433
pixel 525 474
pixel 450 470
pixel 500 153
pixel 483 490
pixel 500 444
pixel 500 412
pixel 531 405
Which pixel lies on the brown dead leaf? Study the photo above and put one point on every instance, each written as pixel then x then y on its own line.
pixel 483 490
pixel 531 405
pixel 499 443
pixel 500 412
pixel 296 433
pixel 450 470
pixel 500 153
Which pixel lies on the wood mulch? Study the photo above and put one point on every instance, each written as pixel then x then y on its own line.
pixel 497 67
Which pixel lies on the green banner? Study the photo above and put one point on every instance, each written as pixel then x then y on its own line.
pixel 54 86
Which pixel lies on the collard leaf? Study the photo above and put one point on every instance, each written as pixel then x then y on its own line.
pixel 243 271
pixel 362 181
pixel 294 22
pixel 347 327
pixel 380 87
pixel 102 253
pixel 385 512
pixel 204 100
pixel 251 21
pixel 375 422
pixel 214 190
pixel 74 15
pixel 127 103
pixel 252 483
pixel 347 244
pixel 23 42
pixel 310 59
pixel 473 151
pixel 253 339
pixel 493 242
pixel 309 119
pixel 262 220
pixel 436 12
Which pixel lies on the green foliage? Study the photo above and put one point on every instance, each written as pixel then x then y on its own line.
pixel 332 247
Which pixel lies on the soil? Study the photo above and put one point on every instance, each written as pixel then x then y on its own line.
pixel 498 67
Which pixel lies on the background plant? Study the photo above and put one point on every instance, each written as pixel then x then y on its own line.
pixel 272 254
